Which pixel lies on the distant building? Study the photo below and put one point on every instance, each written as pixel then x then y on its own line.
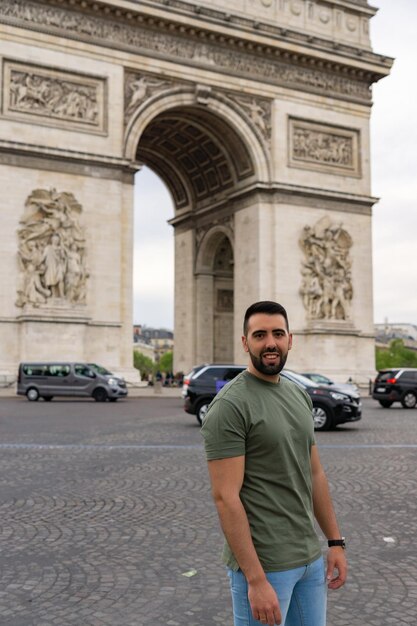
pixel 386 332
pixel 157 340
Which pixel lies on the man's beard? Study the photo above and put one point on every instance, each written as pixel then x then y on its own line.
pixel 268 370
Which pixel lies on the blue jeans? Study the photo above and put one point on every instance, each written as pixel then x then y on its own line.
pixel 301 592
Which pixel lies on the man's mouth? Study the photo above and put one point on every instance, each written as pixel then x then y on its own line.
pixel 270 356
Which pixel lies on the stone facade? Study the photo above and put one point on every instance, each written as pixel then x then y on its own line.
pixel 256 115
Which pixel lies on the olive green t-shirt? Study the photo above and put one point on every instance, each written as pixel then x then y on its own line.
pixel 271 424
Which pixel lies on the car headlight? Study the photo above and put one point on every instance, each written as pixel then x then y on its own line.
pixel 113 382
pixel 339 396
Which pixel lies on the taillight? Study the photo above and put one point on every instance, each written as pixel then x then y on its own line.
pixel 391 381
pixel 186 381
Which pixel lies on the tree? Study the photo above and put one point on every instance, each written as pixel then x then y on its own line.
pixel 165 362
pixel 396 355
pixel 143 363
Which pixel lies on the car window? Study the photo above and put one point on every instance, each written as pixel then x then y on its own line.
pixel 382 376
pixel 412 376
pixel 212 374
pixel 99 369
pixel 34 370
pixel 322 380
pixel 232 373
pixel 298 378
pixel 83 370
pixel 58 370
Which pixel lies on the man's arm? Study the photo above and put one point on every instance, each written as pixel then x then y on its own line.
pixel 226 477
pixel 326 518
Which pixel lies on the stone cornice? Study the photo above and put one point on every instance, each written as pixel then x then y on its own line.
pixel 279 193
pixel 72 161
pixel 273 55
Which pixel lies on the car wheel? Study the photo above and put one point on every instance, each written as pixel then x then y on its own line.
pixel 385 403
pixel 47 398
pixel 202 410
pixel 322 418
pixel 100 394
pixel 409 400
pixel 32 394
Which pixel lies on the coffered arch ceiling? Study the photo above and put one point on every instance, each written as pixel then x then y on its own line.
pixel 197 154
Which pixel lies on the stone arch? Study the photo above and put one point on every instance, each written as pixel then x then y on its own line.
pixel 218 121
pixel 206 149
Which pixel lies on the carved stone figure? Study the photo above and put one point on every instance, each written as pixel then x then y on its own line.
pixel 49 96
pixel 55 266
pixel 51 250
pixel 139 87
pixel 326 286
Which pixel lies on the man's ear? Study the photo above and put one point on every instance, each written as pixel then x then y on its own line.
pixel 245 344
pixel 290 341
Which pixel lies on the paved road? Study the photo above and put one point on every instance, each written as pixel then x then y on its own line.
pixel 104 508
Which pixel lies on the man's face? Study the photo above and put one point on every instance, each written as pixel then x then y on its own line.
pixel 267 342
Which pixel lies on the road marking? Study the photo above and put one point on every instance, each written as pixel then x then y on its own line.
pixel 150 446
pixel 98 446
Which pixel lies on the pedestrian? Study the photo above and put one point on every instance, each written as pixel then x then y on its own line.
pixel 268 484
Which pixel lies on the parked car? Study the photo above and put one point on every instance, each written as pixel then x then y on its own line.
pixel 331 407
pixel 203 383
pixel 324 380
pixel 396 385
pixel 59 378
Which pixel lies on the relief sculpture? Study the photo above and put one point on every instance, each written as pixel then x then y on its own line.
pixel 53 96
pixel 326 286
pixel 322 146
pixel 138 88
pixel 51 250
pixel 259 111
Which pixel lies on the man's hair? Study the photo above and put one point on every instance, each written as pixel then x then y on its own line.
pixel 265 306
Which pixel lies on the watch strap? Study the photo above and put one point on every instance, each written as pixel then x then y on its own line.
pixel 337 542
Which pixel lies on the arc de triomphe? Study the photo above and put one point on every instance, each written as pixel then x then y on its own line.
pixel 255 113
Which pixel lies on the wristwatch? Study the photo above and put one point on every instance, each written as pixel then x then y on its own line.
pixel 337 542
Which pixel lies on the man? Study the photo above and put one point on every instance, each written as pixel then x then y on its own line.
pixel 268 485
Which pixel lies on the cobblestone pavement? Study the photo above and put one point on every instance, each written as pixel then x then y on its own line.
pixel 105 509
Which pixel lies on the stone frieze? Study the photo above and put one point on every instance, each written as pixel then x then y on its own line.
pixel 183 48
pixel 324 147
pixel 53 96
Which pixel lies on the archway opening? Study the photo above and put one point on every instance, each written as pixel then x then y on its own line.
pixel 153 256
pixel 204 162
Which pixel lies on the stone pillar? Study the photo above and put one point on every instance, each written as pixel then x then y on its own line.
pixel 184 317
pixel 204 318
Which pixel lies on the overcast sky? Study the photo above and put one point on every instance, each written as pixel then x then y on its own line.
pixel 394 180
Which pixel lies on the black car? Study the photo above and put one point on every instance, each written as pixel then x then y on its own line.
pixel 203 383
pixel 331 406
pixel 396 385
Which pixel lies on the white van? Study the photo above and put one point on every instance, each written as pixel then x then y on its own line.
pixel 46 380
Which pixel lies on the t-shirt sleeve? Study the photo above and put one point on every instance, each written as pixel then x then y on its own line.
pixel 224 431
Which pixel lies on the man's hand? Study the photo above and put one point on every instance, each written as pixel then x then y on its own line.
pixel 264 603
pixel 336 561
